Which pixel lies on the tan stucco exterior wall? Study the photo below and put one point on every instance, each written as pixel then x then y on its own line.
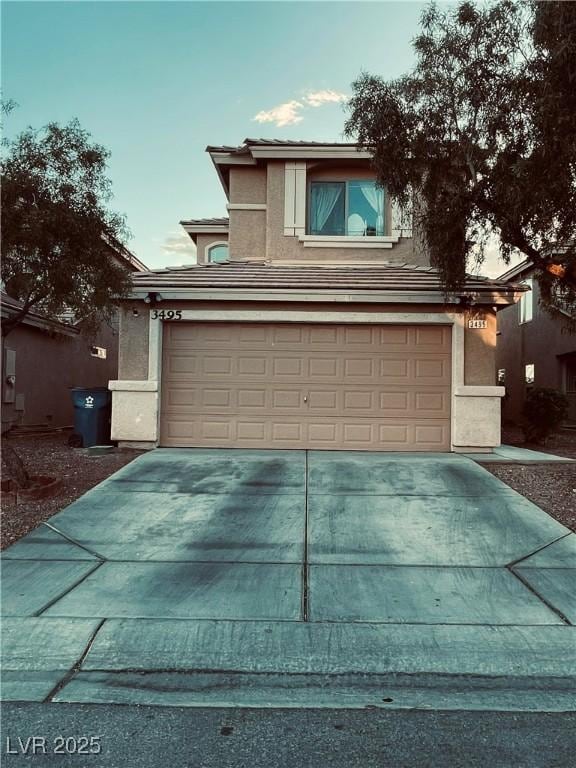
pixel 247 227
pixel 248 185
pixel 133 347
pixel 480 352
pixel 247 235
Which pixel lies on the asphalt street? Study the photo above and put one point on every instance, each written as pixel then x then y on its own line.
pixel 247 738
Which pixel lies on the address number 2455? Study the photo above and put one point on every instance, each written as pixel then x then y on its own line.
pixel 166 314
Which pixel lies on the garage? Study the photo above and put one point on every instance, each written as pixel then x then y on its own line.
pixel 306 385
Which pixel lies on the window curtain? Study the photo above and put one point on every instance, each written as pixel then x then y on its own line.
pixel 323 201
pixel 375 198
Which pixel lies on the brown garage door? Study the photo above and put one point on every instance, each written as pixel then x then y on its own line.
pixel 274 385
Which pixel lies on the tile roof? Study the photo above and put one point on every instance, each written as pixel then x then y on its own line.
pixel 64 323
pixel 244 147
pixel 259 275
pixel 291 143
pixel 217 222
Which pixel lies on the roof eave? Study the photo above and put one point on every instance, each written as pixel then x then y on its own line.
pixel 496 298
pixel 515 271
pixel 38 321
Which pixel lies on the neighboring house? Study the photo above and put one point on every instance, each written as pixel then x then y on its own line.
pixel 42 358
pixel 534 349
pixel 325 327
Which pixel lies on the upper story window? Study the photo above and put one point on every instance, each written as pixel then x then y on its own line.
pixel 526 303
pixel 346 208
pixel 217 253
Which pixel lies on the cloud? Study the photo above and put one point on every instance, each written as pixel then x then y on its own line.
pixel 283 114
pixel 289 113
pixel 493 265
pixel 318 98
pixel 179 244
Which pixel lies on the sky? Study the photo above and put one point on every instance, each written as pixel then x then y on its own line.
pixel 156 82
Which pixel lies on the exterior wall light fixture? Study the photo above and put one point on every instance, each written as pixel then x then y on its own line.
pixel 152 298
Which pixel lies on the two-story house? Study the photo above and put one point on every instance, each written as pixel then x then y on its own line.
pixel 534 349
pixel 311 320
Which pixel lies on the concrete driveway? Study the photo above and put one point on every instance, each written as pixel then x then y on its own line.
pixel 294 578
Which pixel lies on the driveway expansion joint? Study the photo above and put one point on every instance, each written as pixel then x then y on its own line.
pixel 537 594
pixel 68 589
pixel 305 579
pixel 76 543
pixel 536 551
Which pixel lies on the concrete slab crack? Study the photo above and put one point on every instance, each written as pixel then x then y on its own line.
pixel 76 667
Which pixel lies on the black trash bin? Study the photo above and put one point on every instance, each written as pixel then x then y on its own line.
pixel 92 409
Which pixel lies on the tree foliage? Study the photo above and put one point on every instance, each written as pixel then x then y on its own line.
pixel 58 236
pixel 483 131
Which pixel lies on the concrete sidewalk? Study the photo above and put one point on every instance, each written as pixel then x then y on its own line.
pixel 512 454
pixel 294 579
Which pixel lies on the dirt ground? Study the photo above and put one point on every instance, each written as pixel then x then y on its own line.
pixel 551 486
pixel 52 456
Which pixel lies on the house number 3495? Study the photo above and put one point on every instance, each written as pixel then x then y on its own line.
pixel 166 314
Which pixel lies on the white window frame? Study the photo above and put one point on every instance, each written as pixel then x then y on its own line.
pixel 346 183
pixel 295 210
pixel 526 303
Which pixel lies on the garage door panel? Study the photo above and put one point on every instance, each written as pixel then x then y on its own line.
pixel 435 338
pixel 431 402
pixel 394 434
pixel 431 370
pixel 320 337
pixel 287 399
pixel 317 386
pixel 181 364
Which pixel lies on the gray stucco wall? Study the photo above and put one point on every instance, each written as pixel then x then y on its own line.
pixel 541 341
pixel 48 365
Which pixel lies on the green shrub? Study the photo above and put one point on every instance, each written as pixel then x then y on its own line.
pixel 544 410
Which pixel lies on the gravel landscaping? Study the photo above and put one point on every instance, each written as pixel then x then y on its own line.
pixel 52 456
pixel 551 486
